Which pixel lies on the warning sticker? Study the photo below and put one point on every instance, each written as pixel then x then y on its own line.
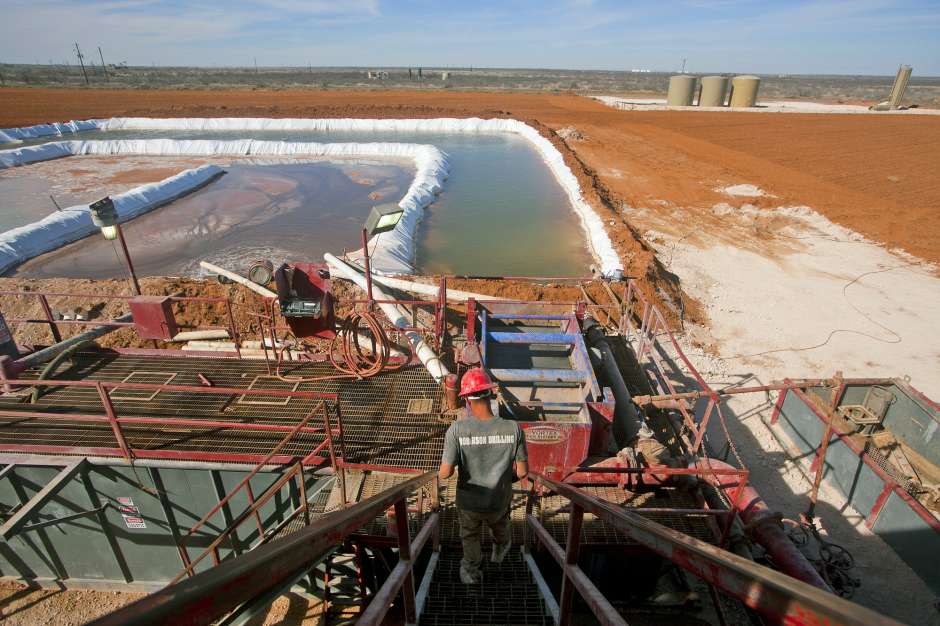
pixel 130 513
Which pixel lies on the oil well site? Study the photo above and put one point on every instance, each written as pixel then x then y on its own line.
pixel 234 324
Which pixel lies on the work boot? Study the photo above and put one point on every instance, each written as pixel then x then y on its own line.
pixel 500 552
pixel 468 578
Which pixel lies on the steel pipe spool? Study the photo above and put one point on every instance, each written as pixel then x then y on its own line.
pixel 681 90
pixel 744 91
pixel 713 91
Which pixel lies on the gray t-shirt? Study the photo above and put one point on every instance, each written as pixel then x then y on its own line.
pixel 484 452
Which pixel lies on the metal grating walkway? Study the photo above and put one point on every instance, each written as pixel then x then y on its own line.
pixel 377 424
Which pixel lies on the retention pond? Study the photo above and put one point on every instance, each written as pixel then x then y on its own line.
pixel 501 213
pixel 288 211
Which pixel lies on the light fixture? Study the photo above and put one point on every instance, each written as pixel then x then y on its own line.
pixel 383 218
pixel 104 216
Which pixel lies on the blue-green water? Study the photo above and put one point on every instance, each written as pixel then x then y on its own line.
pixel 501 212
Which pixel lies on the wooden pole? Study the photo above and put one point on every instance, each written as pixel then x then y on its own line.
pixel 104 67
pixel 81 60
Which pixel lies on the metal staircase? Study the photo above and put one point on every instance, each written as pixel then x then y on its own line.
pixel 246 584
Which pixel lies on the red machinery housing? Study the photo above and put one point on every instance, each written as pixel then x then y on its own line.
pixel 305 294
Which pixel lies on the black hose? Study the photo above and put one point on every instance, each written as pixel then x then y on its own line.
pixel 51 367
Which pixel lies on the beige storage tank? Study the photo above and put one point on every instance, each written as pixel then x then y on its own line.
pixel 681 90
pixel 714 89
pixel 744 91
pixel 900 84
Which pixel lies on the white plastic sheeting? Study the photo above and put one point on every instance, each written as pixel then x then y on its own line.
pixel 12 135
pixel 597 237
pixel 34 154
pixel 68 225
pixel 598 240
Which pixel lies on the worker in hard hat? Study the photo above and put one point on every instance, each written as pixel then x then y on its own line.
pixel 490 454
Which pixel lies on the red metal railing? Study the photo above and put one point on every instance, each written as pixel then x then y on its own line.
pixel 778 597
pixel 117 422
pixel 296 471
pixel 627 477
pixel 53 324
pixel 272 567
pixel 831 430
pixel 648 333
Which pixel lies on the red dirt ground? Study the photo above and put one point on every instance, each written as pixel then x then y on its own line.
pixel 874 174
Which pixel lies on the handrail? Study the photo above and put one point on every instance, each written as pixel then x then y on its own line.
pixel 254 504
pixel 775 595
pixel 211 594
pixel 246 483
pixel 53 323
pixel 652 324
pixel 111 416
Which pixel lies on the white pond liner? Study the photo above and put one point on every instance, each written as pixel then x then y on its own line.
pixel 395 251
pixel 68 225
pixel 13 135
pixel 395 256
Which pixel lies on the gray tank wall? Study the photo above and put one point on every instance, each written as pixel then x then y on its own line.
pixel 907 418
pixel 897 523
pixel 83 553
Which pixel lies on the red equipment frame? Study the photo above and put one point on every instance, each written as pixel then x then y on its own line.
pixel 777 596
pixel 124 450
pixel 53 323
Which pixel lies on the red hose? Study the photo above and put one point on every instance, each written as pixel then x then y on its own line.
pixel 764 525
pixel 347 354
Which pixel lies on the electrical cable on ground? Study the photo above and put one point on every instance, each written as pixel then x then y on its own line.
pixel 833 562
pixel 897 337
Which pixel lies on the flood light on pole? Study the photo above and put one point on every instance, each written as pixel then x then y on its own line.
pixel 383 218
pixel 104 216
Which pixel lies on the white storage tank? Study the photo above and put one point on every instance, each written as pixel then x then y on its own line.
pixel 681 90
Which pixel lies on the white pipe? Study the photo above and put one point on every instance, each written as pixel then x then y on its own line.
pixel 200 335
pixel 430 290
pixel 399 318
pixel 238 278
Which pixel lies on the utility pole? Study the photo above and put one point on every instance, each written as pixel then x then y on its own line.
pixel 104 67
pixel 256 65
pixel 81 60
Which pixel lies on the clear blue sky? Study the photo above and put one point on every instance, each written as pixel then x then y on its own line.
pixel 784 36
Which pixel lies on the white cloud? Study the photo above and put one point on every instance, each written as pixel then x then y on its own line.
pixel 325 7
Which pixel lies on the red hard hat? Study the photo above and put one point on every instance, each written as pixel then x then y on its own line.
pixel 475 381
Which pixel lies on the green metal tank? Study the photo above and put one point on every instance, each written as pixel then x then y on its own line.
pixel 713 92
pixel 681 90
pixel 744 91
